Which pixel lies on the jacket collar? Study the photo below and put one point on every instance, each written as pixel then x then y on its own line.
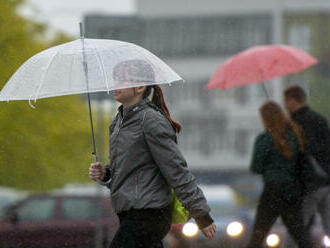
pixel 300 111
pixel 129 111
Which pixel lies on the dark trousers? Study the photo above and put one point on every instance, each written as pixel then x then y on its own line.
pixel 285 201
pixel 142 228
pixel 318 201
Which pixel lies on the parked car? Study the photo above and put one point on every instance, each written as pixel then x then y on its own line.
pixel 9 196
pixel 234 225
pixel 233 222
pixel 58 220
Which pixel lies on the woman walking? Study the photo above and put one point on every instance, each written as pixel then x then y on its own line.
pixel 274 157
pixel 145 164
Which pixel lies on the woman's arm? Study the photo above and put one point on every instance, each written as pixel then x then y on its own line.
pixel 98 172
pixel 260 150
pixel 160 138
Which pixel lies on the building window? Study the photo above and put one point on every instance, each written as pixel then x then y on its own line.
pixel 241 141
pixel 300 36
pixel 195 36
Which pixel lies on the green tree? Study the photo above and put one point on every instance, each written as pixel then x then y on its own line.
pixel 48 146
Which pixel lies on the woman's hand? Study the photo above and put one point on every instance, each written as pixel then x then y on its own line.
pixel 96 171
pixel 209 231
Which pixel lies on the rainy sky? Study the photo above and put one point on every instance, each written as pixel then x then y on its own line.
pixel 65 15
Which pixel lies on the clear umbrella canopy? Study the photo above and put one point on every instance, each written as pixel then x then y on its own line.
pixel 110 65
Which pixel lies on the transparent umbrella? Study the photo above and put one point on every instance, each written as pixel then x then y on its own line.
pixel 63 70
pixel 85 66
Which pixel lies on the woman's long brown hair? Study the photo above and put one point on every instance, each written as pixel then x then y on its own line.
pixel 137 70
pixel 276 123
pixel 159 101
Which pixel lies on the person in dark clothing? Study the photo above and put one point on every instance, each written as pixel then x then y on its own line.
pixel 274 157
pixel 145 164
pixel 317 134
pixel 142 228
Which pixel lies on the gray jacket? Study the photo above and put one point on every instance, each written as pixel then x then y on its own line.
pixel 145 163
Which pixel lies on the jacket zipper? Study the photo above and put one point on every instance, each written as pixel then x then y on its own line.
pixel 136 187
pixel 120 126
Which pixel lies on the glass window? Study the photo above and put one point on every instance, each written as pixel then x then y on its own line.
pixel 74 209
pixel 241 141
pixel 168 37
pixel 242 95
pixel 37 210
pixel 300 36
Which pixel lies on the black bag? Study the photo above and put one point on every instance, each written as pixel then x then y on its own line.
pixel 310 174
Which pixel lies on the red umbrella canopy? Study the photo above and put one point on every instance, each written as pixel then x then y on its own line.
pixel 259 64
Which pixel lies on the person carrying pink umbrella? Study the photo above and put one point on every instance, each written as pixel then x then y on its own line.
pixel 275 153
pixel 276 149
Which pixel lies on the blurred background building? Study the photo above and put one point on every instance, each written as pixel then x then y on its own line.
pixel 194 38
pixel 219 127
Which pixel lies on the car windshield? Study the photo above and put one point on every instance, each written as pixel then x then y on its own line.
pixel 2 213
pixel 223 208
pixel 5 201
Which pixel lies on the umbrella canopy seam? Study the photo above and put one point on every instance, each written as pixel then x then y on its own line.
pixel 42 81
pixel 103 70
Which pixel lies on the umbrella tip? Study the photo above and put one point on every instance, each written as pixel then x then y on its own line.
pixel 31 105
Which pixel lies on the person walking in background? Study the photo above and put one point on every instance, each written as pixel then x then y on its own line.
pixel 317 134
pixel 274 157
pixel 145 164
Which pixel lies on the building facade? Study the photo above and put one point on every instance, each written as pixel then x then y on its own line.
pixel 194 38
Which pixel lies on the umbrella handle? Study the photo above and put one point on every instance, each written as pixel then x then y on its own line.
pixel 265 89
pixel 94 158
pixel 94 161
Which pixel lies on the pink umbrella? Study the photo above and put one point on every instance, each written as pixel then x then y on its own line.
pixel 259 64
